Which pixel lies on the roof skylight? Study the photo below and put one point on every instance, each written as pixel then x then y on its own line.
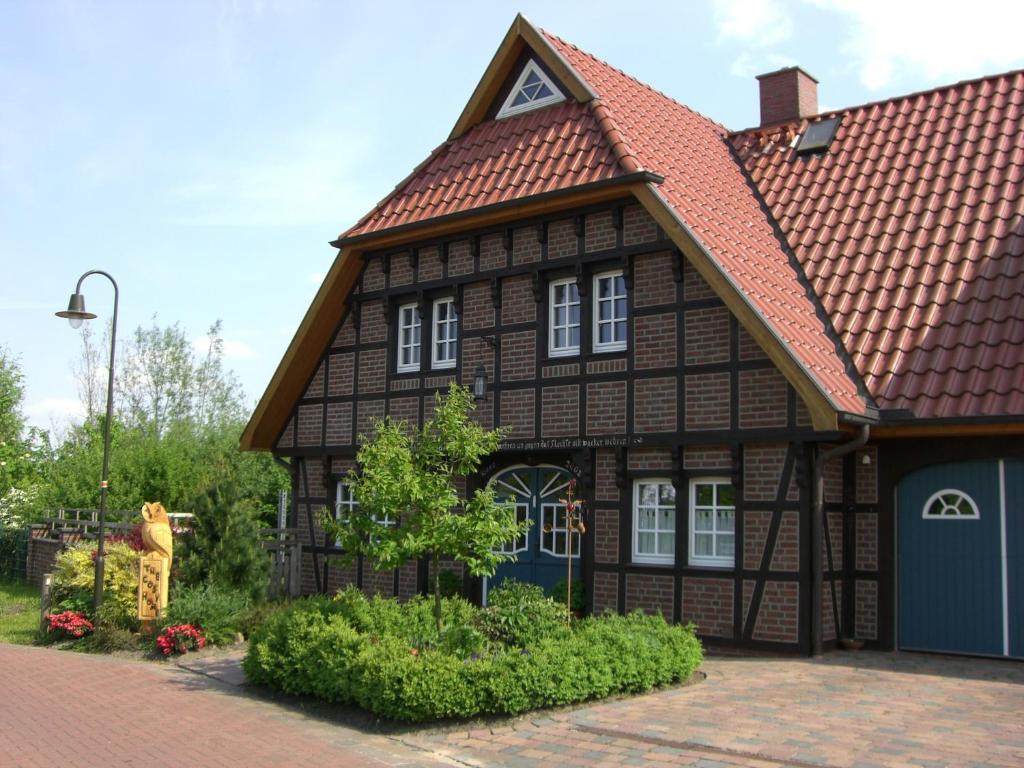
pixel 532 90
pixel 818 136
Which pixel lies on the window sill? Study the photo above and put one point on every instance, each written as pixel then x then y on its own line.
pixel 720 565
pixel 604 350
pixel 640 560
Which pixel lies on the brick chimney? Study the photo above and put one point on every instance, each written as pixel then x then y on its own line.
pixel 787 95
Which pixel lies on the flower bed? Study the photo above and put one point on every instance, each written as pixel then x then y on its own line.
pixel 514 656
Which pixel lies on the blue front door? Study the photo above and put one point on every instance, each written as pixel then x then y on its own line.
pixel 951 574
pixel 540 555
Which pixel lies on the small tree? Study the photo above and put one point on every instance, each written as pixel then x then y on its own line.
pixel 409 504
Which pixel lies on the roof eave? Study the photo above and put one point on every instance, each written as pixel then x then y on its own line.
pixel 387 236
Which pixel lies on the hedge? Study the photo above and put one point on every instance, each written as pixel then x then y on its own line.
pixel 351 650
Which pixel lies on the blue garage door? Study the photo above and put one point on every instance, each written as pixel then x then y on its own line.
pixel 1015 554
pixel 959 558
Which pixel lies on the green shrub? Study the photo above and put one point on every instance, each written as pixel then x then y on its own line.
pixel 74 575
pixel 579 594
pixel 451 584
pixel 412 621
pixel 519 614
pixel 219 612
pixel 107 639
pixel 357 650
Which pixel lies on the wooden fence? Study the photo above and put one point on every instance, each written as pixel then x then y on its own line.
pixel 285 550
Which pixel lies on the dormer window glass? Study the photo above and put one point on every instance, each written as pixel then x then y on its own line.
pixel 532 90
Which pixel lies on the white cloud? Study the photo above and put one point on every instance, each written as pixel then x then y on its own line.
pixel 937 39
pixel 748 66
pixel 758 23
pixel 233 349
pixel 54 410
pixel 315 278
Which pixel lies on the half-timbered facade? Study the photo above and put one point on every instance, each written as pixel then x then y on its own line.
pixel 617 271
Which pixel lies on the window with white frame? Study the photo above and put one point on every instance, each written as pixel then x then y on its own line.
pixel 950 504
pixel 518 544
pixel 564 321
pixel 553 539
pixel 533 89
pixel 712 522
pixel 445 334
pixel 609 312
pixel 408 338
pixel 344 504
pixel 654 521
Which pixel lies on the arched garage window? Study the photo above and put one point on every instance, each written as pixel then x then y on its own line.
pixel 950 504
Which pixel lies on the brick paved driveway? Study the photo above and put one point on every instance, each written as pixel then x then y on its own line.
pixel 848 710
pixel 851 710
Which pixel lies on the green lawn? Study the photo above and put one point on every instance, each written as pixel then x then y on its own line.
pixel 19 613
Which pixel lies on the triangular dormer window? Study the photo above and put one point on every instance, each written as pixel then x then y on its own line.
pixel 532 90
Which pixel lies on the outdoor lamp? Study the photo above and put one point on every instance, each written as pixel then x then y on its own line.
pixel 75 314
pixel 479 384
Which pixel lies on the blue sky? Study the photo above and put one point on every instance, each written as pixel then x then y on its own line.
pixel 205 152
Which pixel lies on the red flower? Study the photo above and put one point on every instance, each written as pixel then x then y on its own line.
pixel 180 638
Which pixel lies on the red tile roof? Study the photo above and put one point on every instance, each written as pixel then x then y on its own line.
pixel 910 229
pixel 556 148
pixel 708 190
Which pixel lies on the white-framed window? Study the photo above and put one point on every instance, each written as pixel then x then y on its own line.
pixel 654 521
pixel 552 531
pixel 609 312
pixel 519 544
pixel 344 504
pixel 408 338
pixel 564 318
pixel 445 334
pixel 950 504
pixel 712 522
pixel 532 90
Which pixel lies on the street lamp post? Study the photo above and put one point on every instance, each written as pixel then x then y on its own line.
pixel 75 314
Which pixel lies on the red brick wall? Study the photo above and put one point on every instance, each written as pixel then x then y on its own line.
pixel 606 408
pixel 606 535
pixel 40 558
pixel 778 619
pixel 606 592
pixel 599 234
pixel 655 341
pixel 651 594
pixel 653 280
pixel 654 405
pixel 638 226
pixel 708 603
pixel 560 411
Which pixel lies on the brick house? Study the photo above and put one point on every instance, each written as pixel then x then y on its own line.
pixel 785 363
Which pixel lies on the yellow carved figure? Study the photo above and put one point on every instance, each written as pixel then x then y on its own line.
pixel 158 540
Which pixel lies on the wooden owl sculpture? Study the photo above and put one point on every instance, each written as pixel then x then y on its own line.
pixel 156 530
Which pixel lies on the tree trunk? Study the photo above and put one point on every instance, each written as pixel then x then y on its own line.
pixel 437 592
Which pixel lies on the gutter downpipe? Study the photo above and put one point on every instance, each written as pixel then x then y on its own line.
pixel 818 531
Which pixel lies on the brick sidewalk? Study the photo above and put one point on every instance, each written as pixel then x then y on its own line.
pixel 59 708
pixel 864 710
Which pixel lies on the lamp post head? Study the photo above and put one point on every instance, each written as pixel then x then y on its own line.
pixel 75 313
pixel 480 384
